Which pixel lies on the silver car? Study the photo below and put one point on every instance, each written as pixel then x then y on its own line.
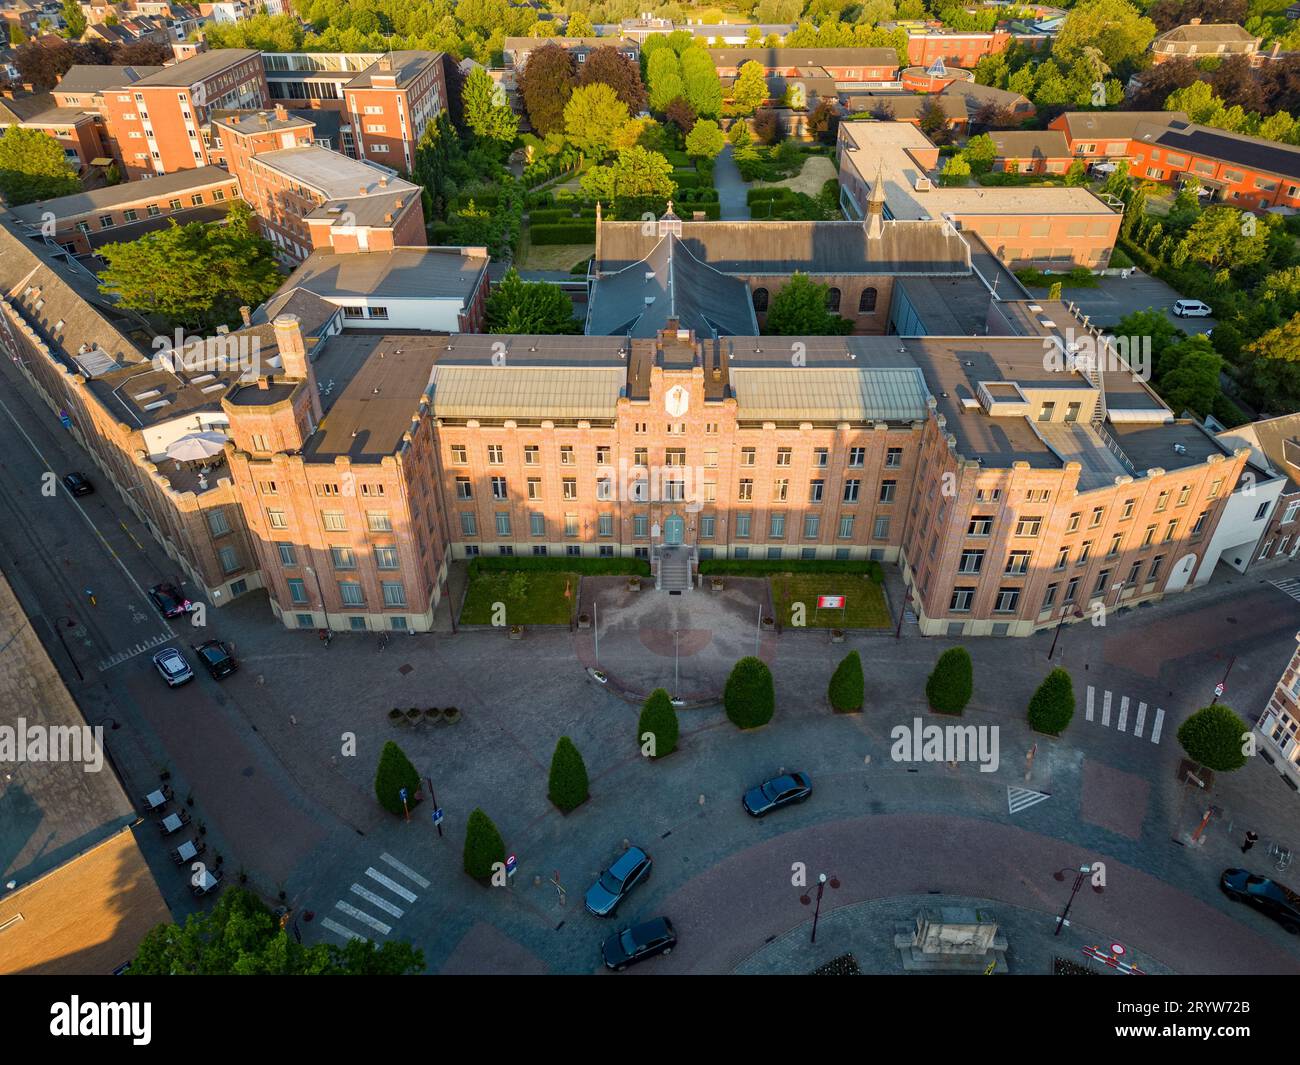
pixel 172 666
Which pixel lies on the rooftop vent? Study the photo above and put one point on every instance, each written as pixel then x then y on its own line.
pixel 922 184
pixel 1180 449
pixel 158 404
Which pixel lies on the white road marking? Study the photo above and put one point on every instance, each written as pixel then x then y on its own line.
pixel 338 929
pixel 371 897
pixel 1157 725
pixel 138 649
pixel 1022 798
pixel 392 885
pixel 1142 716
pixel 1105 709
pixel 406 871
pixel 1122 724
pixel 1088 713
pixel 363 917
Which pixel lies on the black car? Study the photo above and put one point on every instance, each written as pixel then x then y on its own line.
pixel 216 659
pixel 169 601
pixel 1269 897
pixel 631 945
pixel 77 484
pixel 777 792
pixel 613 885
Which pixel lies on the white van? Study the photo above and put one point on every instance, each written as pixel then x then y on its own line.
pixel 1191 309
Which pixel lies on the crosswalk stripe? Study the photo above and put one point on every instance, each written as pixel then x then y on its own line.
pixel 1088 713
pixel 1142 716
pixel 363 917
pixel 392 885
pixel 1288 586
pixel 339 930
pixel 1122 724
pixel 138 649
pixel 1105 709
pixel 406 871
pixel 1157 725
pixel 1022 798
pixel 371 897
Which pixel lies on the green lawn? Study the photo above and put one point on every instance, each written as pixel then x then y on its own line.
pixel 865 602
pixel 542 601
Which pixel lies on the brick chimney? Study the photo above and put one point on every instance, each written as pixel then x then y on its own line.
pixel 281 113
pixel 383 181
pixel 246 313
pixel 293 352
pixel 362 190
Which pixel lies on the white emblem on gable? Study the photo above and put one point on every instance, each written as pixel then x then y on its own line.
pixel 677 401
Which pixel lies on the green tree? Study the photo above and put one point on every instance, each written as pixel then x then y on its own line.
pixel 658 724
pixel 487 113
pixel 799 309
pixel 547 82
pixel 197 275
pixel 484 847
pixel 579 26
pixel 705 139
pixel 568 786
pixel 592 118
pixel 949 686
pixel 394 773
pixel 529 307
pixel 610 67
pixel 749 697
pixel 847 687
pixel 749 90
pixel 664 79
pixel 638 180
pixel 240 936
pixel 1226 236
pixel 17 35
pixel 1077 175
pixel 1052 705
pixel 700 80
pixel 980 151
pixel 437 156
pixel 1188 376
pixel 1273 363
pixel 74 20
pixel 1216 737
pixel 956 170
pixel 33 167
pixel 1114 27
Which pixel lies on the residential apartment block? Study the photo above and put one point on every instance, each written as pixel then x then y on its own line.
pixel 1198 40
pixel 390 103
pixel 1277 742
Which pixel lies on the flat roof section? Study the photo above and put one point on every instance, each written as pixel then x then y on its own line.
pixel 402 273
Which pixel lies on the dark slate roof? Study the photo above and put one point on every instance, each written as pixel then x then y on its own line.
pixel 203 65
pixel 87 77
pixel 1254 153
pixel 760 248
pixel 398 273
pixel 328 124
pixel 25 108
pixel 905 106
pixel 1030 144
pixel 805 57
pixel 406 65
pixel 670 286
pixel 976 96
pixel 128 192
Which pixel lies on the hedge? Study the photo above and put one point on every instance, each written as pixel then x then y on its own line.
pixel 733 567
pixel 686 179
pixel 1052 705
pixel 949 687
pixel 568 787
pixel 711 211
pixel 575 232
pixel 484 846
pixel 679 159
pixel 553 215
pixel 659 720
pixel 590 567
pixel 749 697
pixel 395 772
pixel 1214 736
pixel 847 687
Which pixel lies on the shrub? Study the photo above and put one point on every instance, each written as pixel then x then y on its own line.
pixel 761 567
pixel 484 846
pixel 948 688
pixel 1052 705
pixel 595 567
pixel 847 687
pixel 1120 261
pixel 659 719
pixel 568 786
pixel 575 232
pixel 394 773
pixel 749 698
pixel 1213 736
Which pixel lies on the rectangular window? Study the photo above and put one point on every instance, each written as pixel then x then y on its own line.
pixel 1097 514
pixel 851 488
pixel 1170 530
pixel 1018 563
pixel 468 523
pixel 229 559
pixel 531 454
pixel 887 489
pixel 534 488
pixel 1007 601
pixel 570 525
pixel 1029 526
pixel 746 491
pixel 602 455
pixel 821 457
pixel 498 488
pixel 333 521
pixel 970 562
pixel 1162 501
pixel 459 454
pixel 1071 590
pixel 784 456
pixel 979 526
pixel 570 485
pixel 394 593
pixel 881 529
pixel 893 458
pixel 780 490
pixel 815 490
pixel 288 556
pixel 217 522
pixel 811 526
pixel 566 455
pixel 297 591
pixel 1100 587
pixel 605 525
pixel 1062 558
pixel 1073 524
pixel 748 456
pixel 710 457
pixel 1085 551
pixel 1127 512
pixel 857 457
pixel 386 558
pixel 343 558
pixel 350 592
pixel 503 523
pixel 846 527
pixel 707 523
pixel 464 490
pixel 776 526
pixel 1049 596
pixel 640 526
pixel 536 524
pixel 496 455
pixel 742 526
pixel 1156 563
pixel 379 521
pixel 961 600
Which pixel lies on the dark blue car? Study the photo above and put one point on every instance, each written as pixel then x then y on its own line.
pixel 613 885
pixel 1269 897
pixel 777 792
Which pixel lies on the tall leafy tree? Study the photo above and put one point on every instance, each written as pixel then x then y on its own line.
pixel 1215 737
pixel 638 181
pixel 700 79
pixel 1225 236
pixel 486 112
pixel 610 67
pixel 74 20
pixel 436 156
pixel 529 307
pixel 664 79
pixel 546 85
pixel 749 90
pixel 799 309
pixel 568 787
pixel 705 139
pixel 33 167
pixel 592 118
pixel 1115 27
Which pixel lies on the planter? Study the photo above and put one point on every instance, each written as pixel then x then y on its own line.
pixel 451 715
pixel 837 635
pixel 414 714
pixel 716 584
pixel 432 714
pixel 769 624
pixel 584 621
pixel 516 632
pixel 396 717
pixel 634 584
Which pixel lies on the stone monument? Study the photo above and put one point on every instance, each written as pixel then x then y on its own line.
pixel 952 939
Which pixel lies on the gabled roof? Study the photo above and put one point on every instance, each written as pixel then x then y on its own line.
pixel 405 66
pixel 976 96
pixel 805 57
pixel 1255 153
pixel 1278 439
pixel 1030 144
pixel 1115 125
pixel 1207 32
pixel 670 285
pixel 203 65
pixel 86 77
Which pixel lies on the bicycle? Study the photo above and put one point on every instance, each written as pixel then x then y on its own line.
pixel 1281 856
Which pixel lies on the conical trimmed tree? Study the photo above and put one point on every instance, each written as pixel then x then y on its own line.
pixel 950 685
pixel 657 725
pixel 484 846
pixel 394 773
pixel 1214 736
pixel 568 781
pixel 749 697
pixel 847 688
pixel 1052 705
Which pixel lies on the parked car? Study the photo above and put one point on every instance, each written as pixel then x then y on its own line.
pixel 216 659
pixel 628 946
pixel 1192 309
pixel 169 600
pixel 1268 896
pixel 173 668
pixel 77 484
pixel 616 882
pixel 777 792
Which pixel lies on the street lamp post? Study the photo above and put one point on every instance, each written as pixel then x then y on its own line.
pixel 320 592
pixel 822 881
pixel 1080 875
pixel 676 672
pixel 1223 683
pixel 1065 612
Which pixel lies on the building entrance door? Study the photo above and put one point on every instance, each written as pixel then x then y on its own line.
pixel 674 530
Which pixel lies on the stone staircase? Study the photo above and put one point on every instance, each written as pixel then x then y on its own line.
pixel 674 573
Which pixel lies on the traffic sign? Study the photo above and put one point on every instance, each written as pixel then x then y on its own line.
pixel 402 792
pixel 830 602
pixel 65 419
pixel 1218 690
pixel 512 863
pixel 437 816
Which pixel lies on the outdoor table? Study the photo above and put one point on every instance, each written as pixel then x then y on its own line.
pixel 206 882
pixel 187 850
pixel 171 823
pixel 156 799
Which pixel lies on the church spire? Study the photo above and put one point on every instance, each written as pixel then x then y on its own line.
pixel 875 220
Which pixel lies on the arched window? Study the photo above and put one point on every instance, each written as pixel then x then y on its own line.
pixel 833 300
pixel 867 301
pixel 760 300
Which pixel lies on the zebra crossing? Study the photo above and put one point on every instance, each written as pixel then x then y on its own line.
pixel 1289 585
pixel 1022 798
pixel 369 912
pixel 140 648
pixel 1120 711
